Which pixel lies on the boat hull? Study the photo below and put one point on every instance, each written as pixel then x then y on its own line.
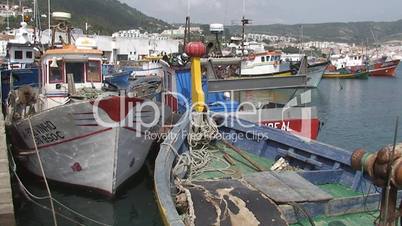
pixel 301 121
pixel 387 69
pixel 323 164
pixel 314 74
pixel 360 75
pixel 75 149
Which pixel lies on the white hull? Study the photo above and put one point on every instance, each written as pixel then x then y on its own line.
pixel 314 76
pixel 260 69
pixel 75 149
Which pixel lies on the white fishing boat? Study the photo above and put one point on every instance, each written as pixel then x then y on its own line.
pixel 81 134
pixel 264 63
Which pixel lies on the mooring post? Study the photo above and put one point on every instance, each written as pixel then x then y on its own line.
pixel 7 217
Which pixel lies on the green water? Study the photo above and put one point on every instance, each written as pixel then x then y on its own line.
pixel 356 113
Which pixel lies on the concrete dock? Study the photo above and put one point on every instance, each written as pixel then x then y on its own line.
pixel 7 217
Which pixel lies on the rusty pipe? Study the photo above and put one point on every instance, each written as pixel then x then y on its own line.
pixel 375 165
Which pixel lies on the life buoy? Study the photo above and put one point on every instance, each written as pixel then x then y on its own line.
pixel 251 56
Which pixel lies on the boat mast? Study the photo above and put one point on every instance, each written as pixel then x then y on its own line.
pixel 48 14
pixel 34 18
pixel 8 20
pixel 187 26
pixel 243 23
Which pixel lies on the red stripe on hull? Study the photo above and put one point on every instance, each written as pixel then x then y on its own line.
pixel 69 139
pixel 297 126
pixel 385 69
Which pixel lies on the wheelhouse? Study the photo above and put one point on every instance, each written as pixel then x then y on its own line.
pixel 83 66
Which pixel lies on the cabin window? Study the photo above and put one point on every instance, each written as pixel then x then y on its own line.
pixel 77 70
pixel 93 71
pixel 267 58
pixel 262 59
pixel 56 73
pixel 18 54
pixel 28 55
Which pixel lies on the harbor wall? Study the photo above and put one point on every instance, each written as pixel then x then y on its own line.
pixel 7 217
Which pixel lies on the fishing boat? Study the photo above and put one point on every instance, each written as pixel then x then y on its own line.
pixel 346 74
pixel 384 68
pixel 266 63
pixel 70 129
pixel 226 171
pixel 300 120
pixel 313 71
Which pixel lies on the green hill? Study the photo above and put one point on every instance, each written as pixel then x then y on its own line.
pixel 356 32
pixel 104 16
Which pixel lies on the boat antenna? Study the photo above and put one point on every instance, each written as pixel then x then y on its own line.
pixel 389 168
pixel 244 22
pixel 8 20
pixel 187 25
pixel 49 15
pixel 301 50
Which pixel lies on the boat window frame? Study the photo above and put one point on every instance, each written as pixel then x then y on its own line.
pixel 84 63
pixel 60 64
pixel 262 59
pixel 30 53
pixel 19 51
pixel 99 62
pixel 268 58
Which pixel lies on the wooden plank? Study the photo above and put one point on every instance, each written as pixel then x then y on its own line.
pixel 309 191
pixel 4 181
pixel 273 187
pixel 6 201
pixel 285 187
pixel 322 176
pixel 5 196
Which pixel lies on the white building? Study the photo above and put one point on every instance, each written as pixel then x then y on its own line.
pixel 179 32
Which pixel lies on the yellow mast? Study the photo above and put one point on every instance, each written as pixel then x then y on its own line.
pixel 196 50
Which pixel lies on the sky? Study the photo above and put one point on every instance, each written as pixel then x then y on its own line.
pixel 270 11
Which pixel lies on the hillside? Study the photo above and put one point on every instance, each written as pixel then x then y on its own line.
pixel 104 16
pixel 355 32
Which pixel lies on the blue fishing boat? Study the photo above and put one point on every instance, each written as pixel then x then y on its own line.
pixel 118 80
pixel 17 78
pixel 227 171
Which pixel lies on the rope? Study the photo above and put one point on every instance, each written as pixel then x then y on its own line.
pixel 43 172
pixel 202 131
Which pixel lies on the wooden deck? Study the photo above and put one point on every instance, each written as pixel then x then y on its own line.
pixel 6 202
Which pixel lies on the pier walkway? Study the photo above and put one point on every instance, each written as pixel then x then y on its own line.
pixel 7 217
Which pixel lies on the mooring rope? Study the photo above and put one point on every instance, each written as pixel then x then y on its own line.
pixel 30 195
pixel 43 172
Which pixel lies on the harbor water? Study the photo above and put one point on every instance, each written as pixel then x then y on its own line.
pixel 354 113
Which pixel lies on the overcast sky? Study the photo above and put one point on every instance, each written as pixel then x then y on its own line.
pixel 271 11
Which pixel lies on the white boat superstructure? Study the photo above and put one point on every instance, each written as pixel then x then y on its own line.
pixel 347 61
pixel 263 63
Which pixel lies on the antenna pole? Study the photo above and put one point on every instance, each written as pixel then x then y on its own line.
pixel 8 20
pixel 389 188
pixel 48 12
